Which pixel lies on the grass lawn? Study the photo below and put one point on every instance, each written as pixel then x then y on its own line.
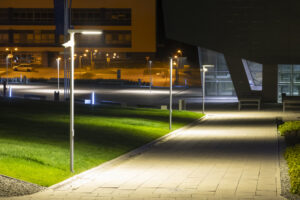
pixel 291 131
pixel 34 136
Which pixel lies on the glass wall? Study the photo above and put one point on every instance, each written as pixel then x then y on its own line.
pixel 254 74
pixel 217 78
pixel 288 80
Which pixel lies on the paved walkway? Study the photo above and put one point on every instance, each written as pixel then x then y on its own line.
pixel 226 156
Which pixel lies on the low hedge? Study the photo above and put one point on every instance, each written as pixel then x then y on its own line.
pixel 291 131
pixel 292 156
pixel 291 128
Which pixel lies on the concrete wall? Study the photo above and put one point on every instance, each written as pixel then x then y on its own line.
pixel 270 83
pixel 238 76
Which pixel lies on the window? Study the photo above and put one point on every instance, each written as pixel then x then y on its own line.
pixel 117 38
pixel 288 80
pixel 254 74
pixel 47 37
pixel 107 39
pixel 101 16
pixel 217 78
pixel 4 16
pixel 30 37
pixel 32 16
pixel 4 38
pixel 16 37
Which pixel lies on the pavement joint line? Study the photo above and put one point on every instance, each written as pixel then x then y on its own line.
pixel 126 156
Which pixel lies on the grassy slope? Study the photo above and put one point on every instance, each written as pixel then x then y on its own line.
pixel 34 137
pixel 292 154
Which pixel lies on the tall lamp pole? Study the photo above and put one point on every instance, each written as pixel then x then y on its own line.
pixel 170 109
pixel 71 44
pixel 9 56
pixel 58 60
pixel 204 69
pixel 150 63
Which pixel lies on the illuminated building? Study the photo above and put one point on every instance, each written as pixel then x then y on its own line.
pixel 128 28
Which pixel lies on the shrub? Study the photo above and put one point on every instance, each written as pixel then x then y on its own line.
pixel 292 156
pixel 291 128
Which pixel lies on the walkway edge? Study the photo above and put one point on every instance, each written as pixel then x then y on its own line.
pixel 130 154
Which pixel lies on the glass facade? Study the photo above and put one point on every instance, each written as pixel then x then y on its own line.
pixel 80 16
pixel 107 39
pixel 254 74
pixel 101 16
pixel 217 78
pixel 288 80
pixel 27 16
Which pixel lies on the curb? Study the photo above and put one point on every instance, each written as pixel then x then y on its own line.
pixel 130 154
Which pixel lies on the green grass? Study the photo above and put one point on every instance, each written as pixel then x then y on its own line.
pixel 34 136
pixel 291 131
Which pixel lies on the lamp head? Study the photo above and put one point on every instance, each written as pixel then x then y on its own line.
pixel 91 32
pixel 68 44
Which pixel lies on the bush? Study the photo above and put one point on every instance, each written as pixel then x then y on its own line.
pixel 292 156
pixel 291 131
pixel 291 128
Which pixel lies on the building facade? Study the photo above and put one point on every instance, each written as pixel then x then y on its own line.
pixel 257 40
pixel 28 29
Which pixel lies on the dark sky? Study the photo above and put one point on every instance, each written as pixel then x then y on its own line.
pixel 167 47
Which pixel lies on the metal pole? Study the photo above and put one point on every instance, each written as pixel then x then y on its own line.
pixel 170 109
pixel 11 60
pixel 92 67
pixel 6 69
pixel 80 57
pixel 150 62
pixel 66 26
pixel 72 104
pixel 203 88
pixel 57 62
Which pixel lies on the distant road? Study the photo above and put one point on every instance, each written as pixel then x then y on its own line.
pixel 118 94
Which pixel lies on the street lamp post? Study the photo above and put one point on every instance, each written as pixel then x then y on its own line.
pixel 6 69
pixel 71 44
pixel 92 52
pixel 80 57
pixel 9 56
pixel 176 64
pixel 150 63
pixel 58 60
pixel 170 109
pixel 204 69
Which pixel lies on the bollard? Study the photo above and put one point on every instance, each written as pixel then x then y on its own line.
pixel 93 98
pixel 56 95
pixel 164 107
pixel 10 91
pixel 181 104
pixel 119 74
pixel 4 88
